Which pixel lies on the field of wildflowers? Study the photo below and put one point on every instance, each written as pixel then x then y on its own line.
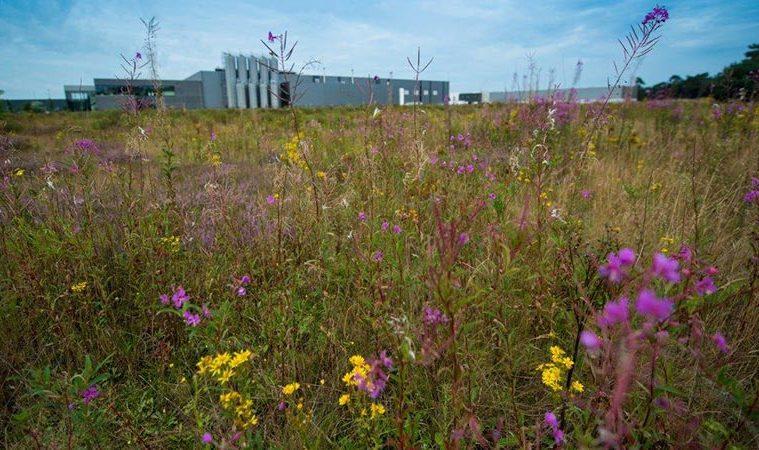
pixel 527 275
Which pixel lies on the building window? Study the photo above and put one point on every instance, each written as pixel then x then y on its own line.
pixel 434 92
pixel 406 92
pixel 79 96
pixel 426 92
pixel 316 79
pixel 416 92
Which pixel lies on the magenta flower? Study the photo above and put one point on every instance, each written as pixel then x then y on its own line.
pixel 191 319
pixel 656 16
pixel 553 424
pixel 666 268
pixel 433 316
pixel 362 216
pixel 206 438
pixel 614 313
pixel 751 196
pixel 685 253
pixel 397 229
pixel 179 297
pixel 281 406
pixel 463 238
pixel 213 136
pixel 245 279
pixel 491 196
pixel 137 56
pixel 385 225
pixel 241 291
pixel 721 343
pixel 90 394
pixel 651 306
pixel 377 256
pixel 585 194
pixel 617 263
pixel 590 340
pixel 206 312
pixel 270 199
pixel 272 37
pixel 164 299
pixel 706 286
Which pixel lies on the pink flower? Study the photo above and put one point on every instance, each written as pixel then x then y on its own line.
pixel 614 313
pixel 706 286
pixel 191 319
pixel 463 238
pixel 617 263
pixel 206 311
pixel 590 340
pixel 653 307
pixel 491 196
pixel 721 343
pixel 179 297
pixel 272 37
pixel 164 299
pixel 397 229
pixel 362 216
pixel 666 268
pixel 206 438
pixel 270 199
pixel 586 194
pixel 385 225
pixel 377 256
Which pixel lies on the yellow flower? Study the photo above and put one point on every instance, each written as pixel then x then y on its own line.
pixel 252 422
pixel 551 376
pixel 290 388
pixel 204 365
pixel 79 287
pixel 18 172
pixel 558 357
pixel 216 160
pixel 377 410
pixel 239 358
pixel 299 406
pixel 228 399
pixel 577 386
pixel 171 243
pixel 225 376
pixel 321 174
pixel 344 399
pixel 357 360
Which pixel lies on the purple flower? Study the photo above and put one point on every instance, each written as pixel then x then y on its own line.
pixel 206 438
pixel 272 37
pixel 179 297
pixel 706 286
pixel 397 229
pixel 376 78
pixel 241 291
pixel 463 238
pixel 137 56
pixel 362 216
pixel 245 279
pixel 615 268
pixel 270 199
pixel 213 136
pixel 653 307
pixel 470 168
pixel 666 268
pixel 206 311
pixel 590 340
pixel 585 194
pixel 433 316
pixel 385 225
pixel 491 196
pixel 721 343
pixel 86 146
pixel 377 256
pixel 551 420
pixel 751 196
pixel 656 16
pixel 191 319
pixel 90 394
pixel 282 406
pixel 614 313
pixel 164 299
pixel 685 253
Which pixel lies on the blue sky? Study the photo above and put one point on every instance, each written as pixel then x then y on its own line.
pixel 477 45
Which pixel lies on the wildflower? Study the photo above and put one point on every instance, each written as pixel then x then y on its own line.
pixel 191 319
pixel 90 394
pixel 272 199
pixel 590 340
pixel 179 297
pixel 79 287
pixel 551 376
pixel 721 343
pixel 272 37
pixel 705 286
pixel 751 196
pixel 376 410
pixel 577 386
pixel 164 299
pixel 397 229
pixel 344 399
pixel 656 16
pixel 652 307
pixel 433 316
pixel 207 438
pixel 585 194
pixel 281 406
pixel 558 356
pixel 241 291
pixel 362 216
pixel 377 256
pixel 228 399
pixel 206 312
pixel 615 269
pixel 491 196
pixel 245 279
pixel 240 358
pixel 138 56
pixel 666 268
pixel 385 225
pixel 225 376
pixel 204 365
pixel 614 313
pixel 290 388
pixel 685 253
pixel 553 423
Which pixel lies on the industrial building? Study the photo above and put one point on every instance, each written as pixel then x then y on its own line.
pixel 579 95
pixel 252 82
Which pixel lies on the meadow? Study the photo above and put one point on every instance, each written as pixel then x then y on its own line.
pixel 517 275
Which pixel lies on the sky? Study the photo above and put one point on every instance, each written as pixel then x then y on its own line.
pixel 476 45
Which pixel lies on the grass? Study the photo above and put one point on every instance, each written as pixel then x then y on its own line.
pixel 160 205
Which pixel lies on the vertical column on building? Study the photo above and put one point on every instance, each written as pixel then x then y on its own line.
pixel 242 81
pixel 230 78
pixel 254 74
pixel 263 82
pixel 274 83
